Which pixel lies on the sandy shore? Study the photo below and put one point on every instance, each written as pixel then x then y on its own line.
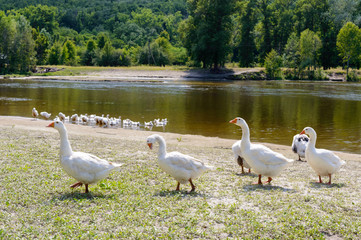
pixel 139 75
pixel 139 135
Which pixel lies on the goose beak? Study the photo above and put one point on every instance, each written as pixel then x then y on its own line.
pixel 233 121
pixel 303 132
pixel 51 125
pixel 150 145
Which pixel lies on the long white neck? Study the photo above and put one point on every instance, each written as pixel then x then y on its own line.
pixel 246 142
pixel 313 138
pixel 65 148
pixel 162 151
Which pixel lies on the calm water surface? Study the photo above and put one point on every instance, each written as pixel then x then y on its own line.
pixel 274 110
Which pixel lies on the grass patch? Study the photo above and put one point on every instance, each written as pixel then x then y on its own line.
pixel 139 202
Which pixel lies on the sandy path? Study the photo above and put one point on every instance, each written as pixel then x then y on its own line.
pixel 138 135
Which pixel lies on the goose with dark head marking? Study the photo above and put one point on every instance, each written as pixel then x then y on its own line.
pixel 84 167
pixel 322 161
pixel 262 160
pixel 299 144
pixel 181 167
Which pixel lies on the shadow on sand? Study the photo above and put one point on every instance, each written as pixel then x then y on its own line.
pixel 267 187
pixel 82 196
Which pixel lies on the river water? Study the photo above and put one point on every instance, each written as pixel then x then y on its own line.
pixel 274 110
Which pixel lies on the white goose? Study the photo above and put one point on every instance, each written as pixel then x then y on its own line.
pixel 236 148
pixel 61 116
pixel 181 167
pixel 322 161
pixel 261 159
pixel 84 167
pixel 34 113
pixel 45 115
pixel 299 144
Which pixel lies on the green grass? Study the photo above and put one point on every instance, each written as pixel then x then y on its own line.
pixel 139 202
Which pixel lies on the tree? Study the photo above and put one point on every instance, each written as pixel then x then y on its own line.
pixel 17 52
pixel 69 55
pixel 209 31
pixel 41 16
pixel 89 54
pixel 310 45
pixel 54 54
pixel 349 44
pixel 273 64
pixel 247 45
pixel 291 52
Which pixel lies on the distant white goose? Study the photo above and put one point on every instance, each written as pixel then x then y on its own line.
pixel 299 144
pixel 74 117
pixel 34 113
pixel 322 161
pixel 261 159
pixel 181 167
pixel 84 167
pixel 61 116
pixel 45 115
pixel 236 148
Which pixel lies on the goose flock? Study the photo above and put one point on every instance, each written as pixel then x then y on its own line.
pixel 88 169
pixel 102 121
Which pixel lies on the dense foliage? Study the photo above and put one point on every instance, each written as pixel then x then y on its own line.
pixel 208 33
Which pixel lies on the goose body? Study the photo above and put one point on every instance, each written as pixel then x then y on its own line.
pixel 34 113
pixel 322 161
pixel 236 148
pixel 299 144
pixel 261 159
pixel 45 115
pixel 181 167
pixel 84 167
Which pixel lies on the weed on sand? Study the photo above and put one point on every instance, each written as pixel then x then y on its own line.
pixel 139 202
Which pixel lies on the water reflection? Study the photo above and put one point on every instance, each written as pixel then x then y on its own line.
pixel 275 110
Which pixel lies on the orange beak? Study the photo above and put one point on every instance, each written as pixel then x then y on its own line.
pixel 150 145
pixel 51 125
pixel 233 121
pixel 303 132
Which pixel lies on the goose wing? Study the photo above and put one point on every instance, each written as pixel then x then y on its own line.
pixel 267 156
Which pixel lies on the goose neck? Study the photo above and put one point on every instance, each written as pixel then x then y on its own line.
pixel 162 147
pixel 245 136
pixel 65 148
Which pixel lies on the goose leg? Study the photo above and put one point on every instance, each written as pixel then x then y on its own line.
pixel 86 188
pixel 75 185
pixel 249 170
pixel 177 189
pixel 319 177
pixel 269 180
pixel 240 162
pixel 329 175
pixel 259 180
pixel 193 187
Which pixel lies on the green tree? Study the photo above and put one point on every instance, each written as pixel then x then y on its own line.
pixel 41 16
pixel 210 28
pixel 291 52
pixel 55 54
pixel 17 52
pixel 273 64
pixel 310 45
pixel 69 55
pixel 42 44
pixel 89 54
pixel 349 44
pixel 247 45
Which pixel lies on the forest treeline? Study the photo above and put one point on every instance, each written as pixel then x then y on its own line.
pixel 296 34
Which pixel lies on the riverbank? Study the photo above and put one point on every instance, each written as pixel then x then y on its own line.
pixel 146 73
pixel 140 201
